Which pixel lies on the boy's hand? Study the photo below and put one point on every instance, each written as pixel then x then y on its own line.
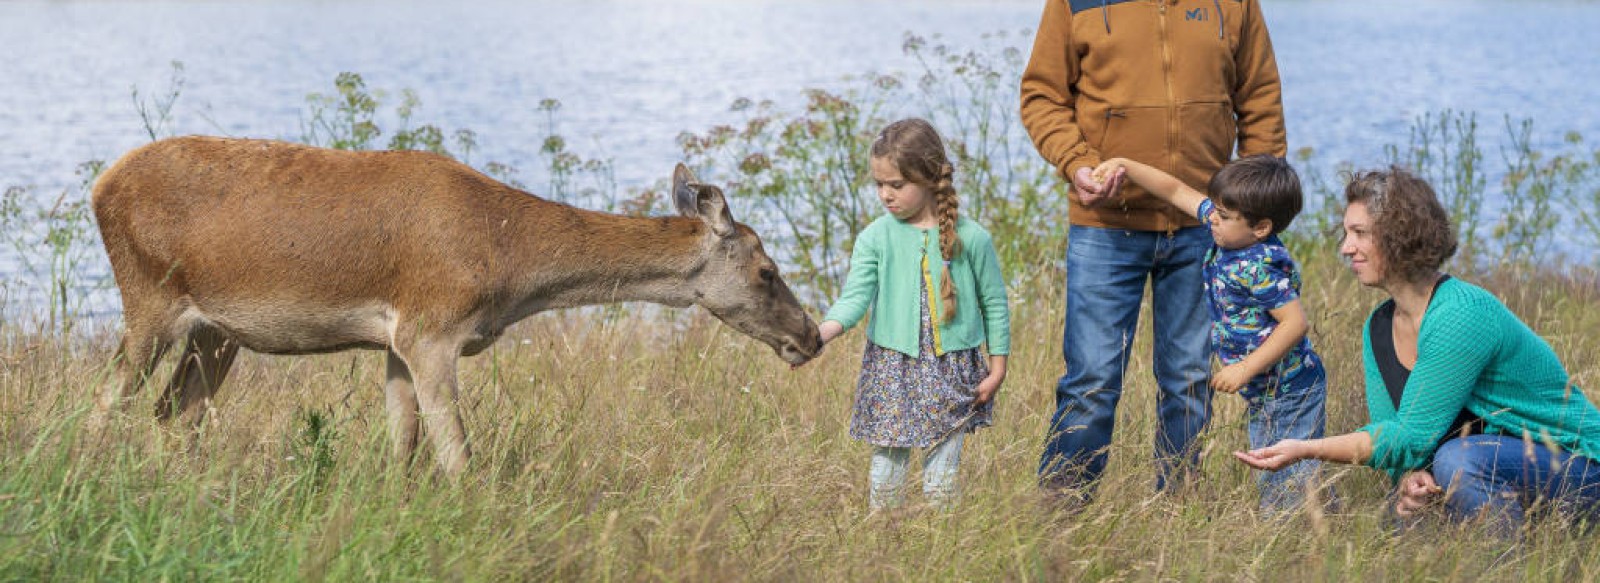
pixel 1109 170
pixel 987 388
pixel 1231 378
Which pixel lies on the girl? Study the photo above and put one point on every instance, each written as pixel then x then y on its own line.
pixel 932 280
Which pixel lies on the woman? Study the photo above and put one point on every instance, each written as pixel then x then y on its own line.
pixel 1451 361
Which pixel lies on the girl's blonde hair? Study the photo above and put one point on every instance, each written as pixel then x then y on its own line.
pixel 914 147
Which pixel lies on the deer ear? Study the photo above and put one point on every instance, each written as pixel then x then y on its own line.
pixel 684 189
pixel 714 211
pixel 699 200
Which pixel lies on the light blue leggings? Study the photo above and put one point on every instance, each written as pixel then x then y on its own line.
pixel 939 472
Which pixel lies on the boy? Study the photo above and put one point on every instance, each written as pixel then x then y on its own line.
pixel 1253 292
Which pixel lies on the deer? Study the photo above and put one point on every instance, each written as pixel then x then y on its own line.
pixel 289 249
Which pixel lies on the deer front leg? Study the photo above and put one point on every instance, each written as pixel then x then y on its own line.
pixel 433 367
pixel 135 359
pixel 400 397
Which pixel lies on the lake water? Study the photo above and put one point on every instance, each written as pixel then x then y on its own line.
pixel 633 74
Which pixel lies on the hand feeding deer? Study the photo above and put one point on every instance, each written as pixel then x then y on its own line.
pixel 290 249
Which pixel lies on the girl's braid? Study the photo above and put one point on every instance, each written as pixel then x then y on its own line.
pixel 944 195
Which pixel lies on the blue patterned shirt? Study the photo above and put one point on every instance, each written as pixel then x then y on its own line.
pixel 1242 286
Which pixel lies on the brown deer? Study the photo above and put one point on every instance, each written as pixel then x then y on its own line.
pixel 291 249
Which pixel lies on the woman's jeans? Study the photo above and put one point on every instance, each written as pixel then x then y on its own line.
pixel 1296 414
pixel 1503 478
pixel 1106 274
pixel 939 473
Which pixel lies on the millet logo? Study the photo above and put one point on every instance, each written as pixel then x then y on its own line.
pixel 1196 14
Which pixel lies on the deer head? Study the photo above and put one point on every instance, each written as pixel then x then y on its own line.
pixel 738 282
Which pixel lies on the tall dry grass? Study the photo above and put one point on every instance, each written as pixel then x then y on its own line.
pixel 645 445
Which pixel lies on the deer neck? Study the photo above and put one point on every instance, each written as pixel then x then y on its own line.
pixel 582 257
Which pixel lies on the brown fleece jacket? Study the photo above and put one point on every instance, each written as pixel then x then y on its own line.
pixel 1171 83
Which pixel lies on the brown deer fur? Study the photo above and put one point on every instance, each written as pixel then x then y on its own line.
pixel 291 249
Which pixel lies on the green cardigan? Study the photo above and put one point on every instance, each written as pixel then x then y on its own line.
pixel 886 272
pixel 1472 352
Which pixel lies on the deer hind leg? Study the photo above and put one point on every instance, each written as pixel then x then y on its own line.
pixel 400 396
pixel 433 368
pixel 207 356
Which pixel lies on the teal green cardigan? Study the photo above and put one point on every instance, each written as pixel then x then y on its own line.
pixel 886 270
pixel 1472 352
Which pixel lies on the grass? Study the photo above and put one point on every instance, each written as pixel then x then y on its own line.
pixel 621 446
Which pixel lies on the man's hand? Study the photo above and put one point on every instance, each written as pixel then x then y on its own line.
pixel 1091 192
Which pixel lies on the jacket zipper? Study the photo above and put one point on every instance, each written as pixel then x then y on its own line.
pixel 1172 113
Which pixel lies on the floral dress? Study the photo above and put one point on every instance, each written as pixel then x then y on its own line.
pixel 918 401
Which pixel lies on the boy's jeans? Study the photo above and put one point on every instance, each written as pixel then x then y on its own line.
pixel 939 472
pixel 1106 273
pixel 1293 414
pixel 1501 478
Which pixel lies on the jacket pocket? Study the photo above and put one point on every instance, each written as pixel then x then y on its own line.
pixel 1138 133
pixel 1092 123
pixel 1207 133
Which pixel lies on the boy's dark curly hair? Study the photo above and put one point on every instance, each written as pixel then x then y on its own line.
pixel 1412 230
pixel 1259 187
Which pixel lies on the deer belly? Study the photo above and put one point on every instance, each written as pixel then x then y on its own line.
pixel 296 329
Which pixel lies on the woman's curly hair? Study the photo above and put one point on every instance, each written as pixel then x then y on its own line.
pixel 1412 230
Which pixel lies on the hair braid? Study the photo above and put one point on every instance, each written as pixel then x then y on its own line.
pixel 947 205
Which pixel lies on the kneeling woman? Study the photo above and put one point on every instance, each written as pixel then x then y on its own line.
pixel 1452 354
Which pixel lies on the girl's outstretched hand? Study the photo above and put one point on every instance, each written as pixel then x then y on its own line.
pixel 1273 457
pixel 830 330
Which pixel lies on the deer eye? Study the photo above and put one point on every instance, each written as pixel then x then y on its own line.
pixel 768 274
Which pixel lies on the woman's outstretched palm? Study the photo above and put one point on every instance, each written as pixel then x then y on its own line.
pixel 1273 457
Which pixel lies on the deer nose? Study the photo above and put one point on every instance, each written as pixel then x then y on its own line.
pixel 811 341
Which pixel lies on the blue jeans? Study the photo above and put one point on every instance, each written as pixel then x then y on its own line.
pixel 1296 412
pixel 1500 478
pixel 940 468
pixel 1106 274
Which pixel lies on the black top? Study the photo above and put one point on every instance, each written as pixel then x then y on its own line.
pixel 1396 374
